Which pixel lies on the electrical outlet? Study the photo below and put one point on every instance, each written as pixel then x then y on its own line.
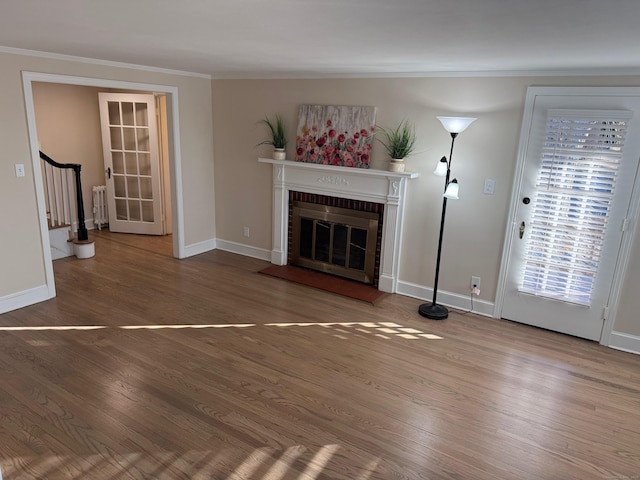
pixel 245 231
pixel 475 282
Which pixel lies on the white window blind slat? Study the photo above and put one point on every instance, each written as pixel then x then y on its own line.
pixel 570 208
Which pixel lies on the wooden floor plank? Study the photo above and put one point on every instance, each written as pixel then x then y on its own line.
pixel 145 366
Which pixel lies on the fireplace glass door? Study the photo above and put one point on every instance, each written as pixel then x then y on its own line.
pixel 335 240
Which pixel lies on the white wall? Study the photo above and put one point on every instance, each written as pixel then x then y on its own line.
pixel 475 224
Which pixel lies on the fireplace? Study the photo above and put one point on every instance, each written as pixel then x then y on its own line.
pixel 368 186
pixel 335 235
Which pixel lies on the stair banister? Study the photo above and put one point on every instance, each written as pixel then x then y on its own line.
pixel 83 234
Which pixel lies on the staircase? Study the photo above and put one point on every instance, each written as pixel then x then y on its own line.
pixel 65 217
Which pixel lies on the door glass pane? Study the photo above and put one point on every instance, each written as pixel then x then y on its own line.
pixel 114 113
pixel 129 138
pixel 147 211
pixel 143 139
pixel 132 163
pixel 116 138
pixel 134 210
pixel 323 234
pixel 145 188
pixel 119 186
pixel 127 113
pixel 574 190
pixel 118 162
pixel 121 209
pixel 132 187
pixel 141 115
pixel 357 248
pixel 144 160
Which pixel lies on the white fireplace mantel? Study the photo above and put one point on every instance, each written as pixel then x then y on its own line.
pixel 369 185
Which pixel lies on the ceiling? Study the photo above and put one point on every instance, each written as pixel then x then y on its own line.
pixel 320 38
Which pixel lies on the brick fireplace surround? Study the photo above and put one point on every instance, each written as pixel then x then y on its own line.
pixel 369 185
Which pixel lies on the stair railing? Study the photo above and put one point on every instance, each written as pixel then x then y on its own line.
pixel 60 208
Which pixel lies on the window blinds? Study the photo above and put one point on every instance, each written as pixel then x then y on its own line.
pixel 575 184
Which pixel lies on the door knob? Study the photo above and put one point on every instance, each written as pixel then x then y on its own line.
pixel 522 226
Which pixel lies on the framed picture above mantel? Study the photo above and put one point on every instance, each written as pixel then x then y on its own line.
pixel 336 135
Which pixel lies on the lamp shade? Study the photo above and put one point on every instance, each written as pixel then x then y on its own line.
pixel 452 190
pixel 456 124
pixel 441 168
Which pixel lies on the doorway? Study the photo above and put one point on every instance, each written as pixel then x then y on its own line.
pixel 575 186
pixel 173 143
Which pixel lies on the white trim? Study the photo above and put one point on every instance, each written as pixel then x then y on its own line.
pixel 527 118
pixel 175 154
pixel 242 249
pixel 39 186
pixel 634 205
pixel 449 299
pixel 585 72
pixel 200 247
pixel 625 342
pixel 25 298
pixel 96 61
pixel 594 72
pixel 624 254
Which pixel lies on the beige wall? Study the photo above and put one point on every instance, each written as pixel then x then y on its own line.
pixel 476 223
pixel 21 257
pixel 68 123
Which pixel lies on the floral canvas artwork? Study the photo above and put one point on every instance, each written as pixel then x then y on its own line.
pixel 335 135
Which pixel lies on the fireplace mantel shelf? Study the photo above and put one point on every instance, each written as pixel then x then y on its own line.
pixel 379 186
pixel 341 170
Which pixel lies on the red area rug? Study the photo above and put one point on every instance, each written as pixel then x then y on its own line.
pixel 323 281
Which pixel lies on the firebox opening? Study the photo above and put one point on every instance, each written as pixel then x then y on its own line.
pixel 335 240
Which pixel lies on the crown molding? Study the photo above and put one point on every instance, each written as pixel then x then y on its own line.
pixel 95 61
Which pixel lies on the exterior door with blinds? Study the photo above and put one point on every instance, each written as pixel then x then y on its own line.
pixel 131 161
pixel 580 162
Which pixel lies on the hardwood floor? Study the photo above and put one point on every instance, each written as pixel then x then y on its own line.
pixel 147 367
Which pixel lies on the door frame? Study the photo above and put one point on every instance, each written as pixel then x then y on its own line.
pixel 175 159
pixel 632 213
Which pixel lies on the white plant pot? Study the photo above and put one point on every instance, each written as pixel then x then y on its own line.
pixel 396 165
pixel 84 249
pixel 279 154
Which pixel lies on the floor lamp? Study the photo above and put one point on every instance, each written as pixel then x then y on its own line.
pixel 455 126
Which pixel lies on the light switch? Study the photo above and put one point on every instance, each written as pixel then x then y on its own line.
pixel 19 170
pixel 489 186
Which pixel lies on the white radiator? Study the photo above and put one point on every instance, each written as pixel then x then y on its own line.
pixel 100 214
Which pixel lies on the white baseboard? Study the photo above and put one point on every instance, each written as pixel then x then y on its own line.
pixel 200 247
pixel 625 342
pixel 242 249
pixel 25 298
pixel 448 299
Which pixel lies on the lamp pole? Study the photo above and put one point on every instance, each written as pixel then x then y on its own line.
pixel 454 125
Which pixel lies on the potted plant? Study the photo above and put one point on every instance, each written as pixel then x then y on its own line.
pixel 400 142
pixel 278 138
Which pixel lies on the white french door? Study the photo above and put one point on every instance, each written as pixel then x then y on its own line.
pixel 579 151
pixel 131 161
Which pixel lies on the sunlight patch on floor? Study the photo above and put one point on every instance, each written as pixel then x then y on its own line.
pixel 195 464
pixel 386 330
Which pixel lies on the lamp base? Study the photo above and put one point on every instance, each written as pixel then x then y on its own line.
pixel 434 312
